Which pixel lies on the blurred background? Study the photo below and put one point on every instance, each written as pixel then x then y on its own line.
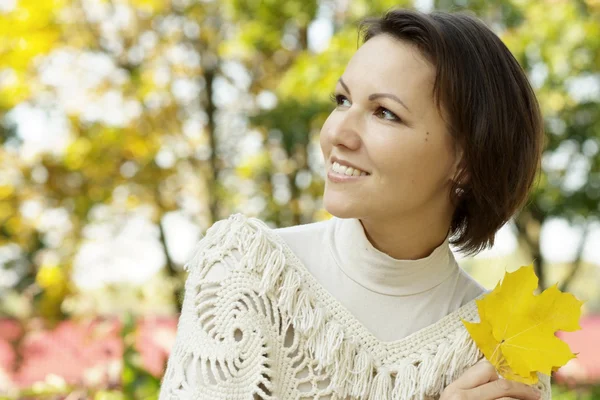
pixel 127 127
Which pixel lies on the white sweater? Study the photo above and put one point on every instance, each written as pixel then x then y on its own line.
pixel 316 312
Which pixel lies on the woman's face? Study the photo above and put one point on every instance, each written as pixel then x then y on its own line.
pixel 387 124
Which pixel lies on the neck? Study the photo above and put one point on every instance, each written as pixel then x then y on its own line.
pixel 408 238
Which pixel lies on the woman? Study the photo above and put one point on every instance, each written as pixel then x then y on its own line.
pixel 436 134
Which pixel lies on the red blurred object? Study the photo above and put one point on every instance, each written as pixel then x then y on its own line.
pixel 82 353
pixel 585 369
pixel 10 332
pixel 154 340
pixel 7 360
pixel 10 329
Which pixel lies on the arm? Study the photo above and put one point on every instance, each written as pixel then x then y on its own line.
pixel 189 370
pixel 482 381
pixel 217 354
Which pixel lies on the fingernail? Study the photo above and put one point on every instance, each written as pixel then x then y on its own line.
pixel 538 394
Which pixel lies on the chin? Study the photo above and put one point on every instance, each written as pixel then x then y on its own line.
pixel 340 207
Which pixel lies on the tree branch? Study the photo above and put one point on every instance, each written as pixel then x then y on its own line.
pixel 576 265
pixel 529 234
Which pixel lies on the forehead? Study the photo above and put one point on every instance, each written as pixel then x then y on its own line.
pixel 392 64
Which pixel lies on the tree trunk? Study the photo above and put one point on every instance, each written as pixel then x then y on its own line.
pixel 209 77
pixel 529 225
pixel 576 265
pixel 178 295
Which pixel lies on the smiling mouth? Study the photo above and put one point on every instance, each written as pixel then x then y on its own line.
pixel 342 170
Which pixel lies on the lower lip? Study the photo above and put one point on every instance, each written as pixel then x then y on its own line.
pixel 334 177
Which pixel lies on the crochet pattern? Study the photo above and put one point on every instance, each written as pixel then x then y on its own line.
pixel 255 324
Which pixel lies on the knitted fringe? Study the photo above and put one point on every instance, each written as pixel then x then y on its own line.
pixel 353 372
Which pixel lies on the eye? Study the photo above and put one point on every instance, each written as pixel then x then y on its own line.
pixel 338 99
pixel 387 114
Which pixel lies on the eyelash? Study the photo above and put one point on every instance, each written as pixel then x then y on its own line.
pixel 338 98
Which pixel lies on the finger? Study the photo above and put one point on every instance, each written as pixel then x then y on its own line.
pixel 504 388
pixel 477 375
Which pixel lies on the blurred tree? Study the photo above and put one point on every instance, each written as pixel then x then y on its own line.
pixel 155 97
pixel 215 106
pixel 558 44
pixel 125 77
pixel 293 125
pixel 560 50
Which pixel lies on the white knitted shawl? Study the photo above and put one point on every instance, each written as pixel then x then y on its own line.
pixel 267 329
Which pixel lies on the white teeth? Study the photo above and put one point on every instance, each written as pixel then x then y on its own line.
pixel 349 171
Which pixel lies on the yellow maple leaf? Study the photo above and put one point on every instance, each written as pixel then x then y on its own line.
pixel 516 332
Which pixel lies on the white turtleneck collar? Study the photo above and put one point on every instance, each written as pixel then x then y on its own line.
pixel 380 273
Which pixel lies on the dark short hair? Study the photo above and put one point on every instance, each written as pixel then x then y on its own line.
pixel 490 110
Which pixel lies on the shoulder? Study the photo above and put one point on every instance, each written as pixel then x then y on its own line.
pixel 221 247
pixel 301 238
pixel 459 288
pixel 466 287
pixel 239 231
pixel 303 229
pixel 239 244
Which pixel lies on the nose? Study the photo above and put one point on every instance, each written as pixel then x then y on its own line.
pixel 345 130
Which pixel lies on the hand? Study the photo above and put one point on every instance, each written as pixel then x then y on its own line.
pixel 481 382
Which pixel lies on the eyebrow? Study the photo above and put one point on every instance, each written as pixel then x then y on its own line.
pixel 378 95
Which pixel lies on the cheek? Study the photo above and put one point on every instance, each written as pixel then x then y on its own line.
pixel 409 162
pixel 325 136
pixel 433 165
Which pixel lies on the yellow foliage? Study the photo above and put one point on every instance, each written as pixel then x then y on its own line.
pixel 307 79
pixel 28 31
pixel 516 332
pixel 138 148
pixel 253 165
pixel 14 89
pixel 151 6
pixel 13 224
pixel 54 281
pixel 6 191
pixel 556 101
pixel 50 275
pixel 77 152
pixel 5 211
pixel 133 202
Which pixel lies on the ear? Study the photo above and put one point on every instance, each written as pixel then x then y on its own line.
pixel 459 165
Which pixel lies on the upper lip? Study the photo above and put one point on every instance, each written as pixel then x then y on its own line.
pixel 347 163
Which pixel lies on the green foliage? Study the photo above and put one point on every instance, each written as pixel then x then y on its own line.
pixel 561 392
pixel 293 119
pixel 137 382
pixel 173 147
pixel 558 45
